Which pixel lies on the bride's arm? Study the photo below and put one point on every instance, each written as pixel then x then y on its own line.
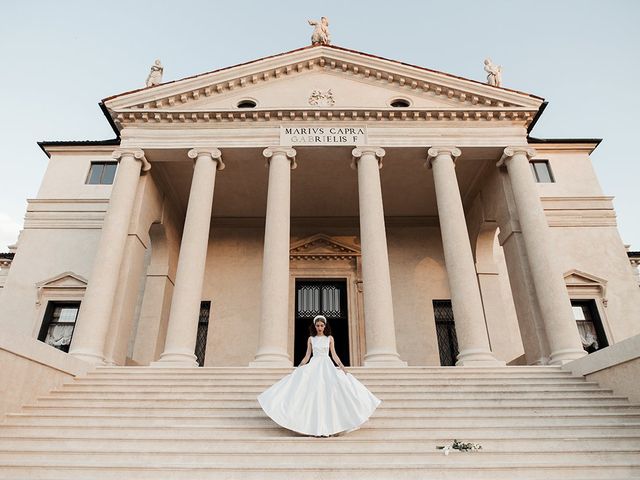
pixel 308 354
pixel 334 355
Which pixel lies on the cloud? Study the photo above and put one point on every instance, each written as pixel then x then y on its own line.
pixel 9 230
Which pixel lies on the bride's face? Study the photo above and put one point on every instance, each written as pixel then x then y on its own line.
pixel 320 328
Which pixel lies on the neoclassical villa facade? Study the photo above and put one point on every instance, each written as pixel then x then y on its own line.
pixel 409 206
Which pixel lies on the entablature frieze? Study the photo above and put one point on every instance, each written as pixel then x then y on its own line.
pixel 263 135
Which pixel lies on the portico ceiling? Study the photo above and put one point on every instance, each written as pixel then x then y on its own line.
pixel 323 184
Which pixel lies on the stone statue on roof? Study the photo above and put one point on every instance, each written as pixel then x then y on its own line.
pixel 320 35
pixel 494 72
pixel 155 75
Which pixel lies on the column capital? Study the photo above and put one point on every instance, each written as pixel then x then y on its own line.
pixel 288 152
pixel 510 152
pixel 136 153
pixel 211 152
pixel 436 151
pixel 358 152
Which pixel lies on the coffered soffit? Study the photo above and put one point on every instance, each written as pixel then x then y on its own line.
pixel 360 85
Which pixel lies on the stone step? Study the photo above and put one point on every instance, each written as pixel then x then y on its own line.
pixel 252 408
pixel 138 422
pixel 398 388
pixel 424 370
pixel 380 433
pixel 263 383
pixel 343 458
pixel 310 445
pixel 440 394
pixel 427 405
pixel 376 421
pixel 431 398
pixel 359 370
pixel 247 394
pixel 360 376
pixel 578 389
pixel 447 469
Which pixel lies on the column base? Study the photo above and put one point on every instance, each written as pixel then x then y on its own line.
pixel 267 364
pixel 272 359
pixel 561 357
pixel 540 361
pixel 478 358
pixel 383 360
pixel 90 357
pixel 178 360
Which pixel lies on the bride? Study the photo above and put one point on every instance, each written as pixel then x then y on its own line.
pixel 318 399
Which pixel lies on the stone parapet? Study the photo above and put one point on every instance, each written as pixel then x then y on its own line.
pixel 616 367
pixel 31 368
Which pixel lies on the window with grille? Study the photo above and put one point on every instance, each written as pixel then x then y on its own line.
pixel 446 332
pixel 590 327
pixel 326 297
pixel 542 171
pixel 203 327
pixel 319 299
pixel 101 173
pixel 59 323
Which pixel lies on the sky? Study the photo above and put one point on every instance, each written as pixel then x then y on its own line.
pixel 59 59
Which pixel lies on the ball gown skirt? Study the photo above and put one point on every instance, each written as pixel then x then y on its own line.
pixel 317 398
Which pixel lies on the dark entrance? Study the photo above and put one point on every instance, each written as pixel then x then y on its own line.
pixel 589 325
pixel 446 332
pixel 321 297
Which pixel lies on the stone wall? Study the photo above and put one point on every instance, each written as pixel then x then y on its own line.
pixel 616 367
pixel 31 369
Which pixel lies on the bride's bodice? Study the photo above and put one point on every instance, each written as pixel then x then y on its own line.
pixel 320 346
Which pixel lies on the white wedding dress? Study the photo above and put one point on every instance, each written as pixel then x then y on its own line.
pixel 317 398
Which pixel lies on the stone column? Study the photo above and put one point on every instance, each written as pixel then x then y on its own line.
pixel 471 330
pixel 561 329
pixel 125 299
pixel 95 310
pixel 182 330
pixel 274 317
pixel 378 305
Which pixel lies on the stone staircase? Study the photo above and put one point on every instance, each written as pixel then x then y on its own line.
pixel 205 423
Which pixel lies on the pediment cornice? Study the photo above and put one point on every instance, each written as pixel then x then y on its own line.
pixel 158 116
pixel 577 277
pixel 321 246
pixel 64 280
pixel 179 101
pixel 586 284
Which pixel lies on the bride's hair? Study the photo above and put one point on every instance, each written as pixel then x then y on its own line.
pixel 323 319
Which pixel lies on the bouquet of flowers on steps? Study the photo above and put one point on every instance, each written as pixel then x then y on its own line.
pixel 460 447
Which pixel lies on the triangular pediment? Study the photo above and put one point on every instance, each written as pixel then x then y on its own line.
pixel 339 79
pixel 576 277
pixel 322 245
pixel 64 280
pixel 319 89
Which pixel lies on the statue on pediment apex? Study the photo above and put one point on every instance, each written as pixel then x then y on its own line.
pixel 320 35
pixel 494 72
pixel 155 75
